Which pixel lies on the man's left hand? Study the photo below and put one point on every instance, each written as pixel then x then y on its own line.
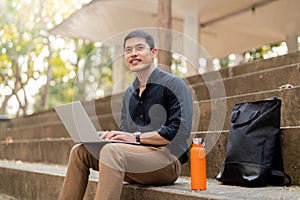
pixel 119 135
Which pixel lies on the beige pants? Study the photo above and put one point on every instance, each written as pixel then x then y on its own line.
pixel 118 162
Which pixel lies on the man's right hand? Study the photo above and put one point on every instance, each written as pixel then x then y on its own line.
pixel 102 134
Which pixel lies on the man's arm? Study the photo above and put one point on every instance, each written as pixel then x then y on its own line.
pixel 153 138
pixel 145 138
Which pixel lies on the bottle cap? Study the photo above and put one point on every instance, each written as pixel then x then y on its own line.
pixel 198 140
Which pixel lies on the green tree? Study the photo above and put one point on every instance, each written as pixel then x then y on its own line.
pixel 263 52
pixel 38 70
pixel 18 47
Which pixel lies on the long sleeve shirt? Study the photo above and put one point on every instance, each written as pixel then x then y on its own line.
pixel 165 106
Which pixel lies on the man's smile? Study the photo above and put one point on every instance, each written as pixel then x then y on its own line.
pixel 135 61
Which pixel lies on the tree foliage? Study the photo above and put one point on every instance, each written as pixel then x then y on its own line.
pixel 264 52
pixel 38 70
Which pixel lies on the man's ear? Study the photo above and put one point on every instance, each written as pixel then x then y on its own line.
pixel 154 52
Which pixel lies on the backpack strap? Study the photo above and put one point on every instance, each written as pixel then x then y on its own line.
pixel 276 173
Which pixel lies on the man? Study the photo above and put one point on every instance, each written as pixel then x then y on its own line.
pixel 157 112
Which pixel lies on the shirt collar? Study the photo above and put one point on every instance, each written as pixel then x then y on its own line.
pixel 154 77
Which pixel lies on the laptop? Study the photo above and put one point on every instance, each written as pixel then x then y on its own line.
pixel 79 125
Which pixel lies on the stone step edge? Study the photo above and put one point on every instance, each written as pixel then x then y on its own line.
pixel 227 131
pixel 195 102
pixel 257 65
pixel 49 139
pixel 255 73
pixel 179 190
pixel 245 95
pixel 7 197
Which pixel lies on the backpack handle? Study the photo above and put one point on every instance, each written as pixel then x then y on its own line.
pixel 276 173
pixel 252 117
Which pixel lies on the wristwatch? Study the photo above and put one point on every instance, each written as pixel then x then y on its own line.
pixel 137 136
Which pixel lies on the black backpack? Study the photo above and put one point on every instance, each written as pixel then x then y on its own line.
pixel 253 154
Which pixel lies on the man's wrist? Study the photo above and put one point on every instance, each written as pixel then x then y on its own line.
pixel 137 136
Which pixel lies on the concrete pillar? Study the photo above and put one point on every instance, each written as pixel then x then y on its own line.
pixel 292 43
pixel 119 70
pixel 164 13
pixel 191 32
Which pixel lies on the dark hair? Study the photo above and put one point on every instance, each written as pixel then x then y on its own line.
pixel 140 34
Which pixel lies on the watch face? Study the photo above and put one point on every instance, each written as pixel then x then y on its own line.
pixel 137 138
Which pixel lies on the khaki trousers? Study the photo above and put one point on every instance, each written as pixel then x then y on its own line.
pixel 118 162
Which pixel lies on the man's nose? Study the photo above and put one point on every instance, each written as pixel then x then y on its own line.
pixel 134 52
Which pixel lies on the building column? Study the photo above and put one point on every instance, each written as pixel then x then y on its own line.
pixel 191 40
pixel 292 43
pixel 164 13
pixel 119 70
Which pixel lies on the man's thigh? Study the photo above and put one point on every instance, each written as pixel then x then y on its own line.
pixel 163 176
pixel 136 158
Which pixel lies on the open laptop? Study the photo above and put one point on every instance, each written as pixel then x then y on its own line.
pixel 79 125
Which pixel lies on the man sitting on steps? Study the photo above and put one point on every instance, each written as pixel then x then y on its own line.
pixel 157 112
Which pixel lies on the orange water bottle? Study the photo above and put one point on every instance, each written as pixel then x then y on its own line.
pixel 198 165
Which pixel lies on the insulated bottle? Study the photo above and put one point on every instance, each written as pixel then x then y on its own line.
pixel 198 165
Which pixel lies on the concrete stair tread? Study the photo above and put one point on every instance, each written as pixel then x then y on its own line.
pixel 6 197
pixel 56 150
pixel 246 68
pixel 244 84
pixel 290 98
pixel 56 170
pixel 290 105
pixel 179 190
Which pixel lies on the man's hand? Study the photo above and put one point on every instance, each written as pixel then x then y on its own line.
pixel 102 134
pixel 117 135
pixel 145 138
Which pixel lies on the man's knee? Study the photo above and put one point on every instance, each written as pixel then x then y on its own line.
pixel 109 150
pixel 79 153
pixel 77 149
pixel 111 156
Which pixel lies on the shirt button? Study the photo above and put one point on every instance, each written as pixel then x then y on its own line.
pixel 141 116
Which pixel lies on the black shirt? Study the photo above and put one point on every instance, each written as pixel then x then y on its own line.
pixel 165 106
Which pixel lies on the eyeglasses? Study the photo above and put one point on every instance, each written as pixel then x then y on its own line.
pixel 138 48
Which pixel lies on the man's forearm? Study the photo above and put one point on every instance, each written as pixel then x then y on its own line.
pixel 153 138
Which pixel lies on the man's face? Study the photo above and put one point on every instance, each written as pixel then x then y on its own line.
pixel 138 55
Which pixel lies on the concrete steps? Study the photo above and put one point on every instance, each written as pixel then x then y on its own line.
pixel 51 150
pixel 42 140
pixel 255 66
pixel 213 112
pixel 56 151
pixel 107 121
pixel 259 81
pixel 35 179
